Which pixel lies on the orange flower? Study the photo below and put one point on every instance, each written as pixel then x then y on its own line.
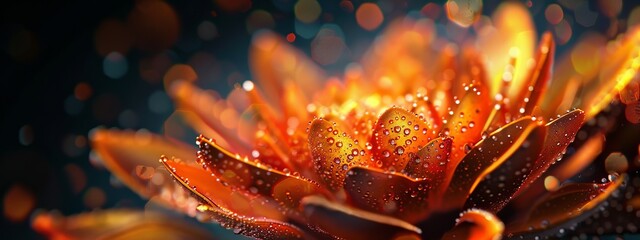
pixel 420 133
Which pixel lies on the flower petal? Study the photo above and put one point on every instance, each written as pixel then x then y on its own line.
pixel 123 152
pixel 253 176
pixel 476 224
pixel 560 134
pixel 334 152
pixel 560 171
pixel 516 37
pixel 570 202
pixel 431 161
pixel 388 193
pixel 486 156
pixel 208 109
pixel 116 224
pixel 345 222
pixel 538 78
pixel 275 64
pixel 498 187
pixel 425 109
pixel 395 62
pixel 397 136
pixel 466 123
pixel 261 228
pixel 204 185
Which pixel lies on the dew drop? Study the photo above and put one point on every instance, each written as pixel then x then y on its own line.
pixel 399 150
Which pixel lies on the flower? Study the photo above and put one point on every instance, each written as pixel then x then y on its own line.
pixel 405 145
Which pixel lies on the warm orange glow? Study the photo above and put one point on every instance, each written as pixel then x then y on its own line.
pixel 420 127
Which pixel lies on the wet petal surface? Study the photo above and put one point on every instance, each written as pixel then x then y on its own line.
pixel 486 156
pixel 431 161
pixel 466 123
pixel 204 185
pixel 334 152
pixel 388 193
pixel 570 202
pixel 560 134
pixel 254 177
pixel 498 187
pixel 349 223
pixel 397 137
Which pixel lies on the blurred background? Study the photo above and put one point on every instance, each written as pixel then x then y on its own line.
pixel 67 67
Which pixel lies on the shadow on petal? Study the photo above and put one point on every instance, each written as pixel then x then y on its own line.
pixel 254 177
pixel 498 187
pixel 569 204
pixel 388 193
pixel 345 222
pixel 485 157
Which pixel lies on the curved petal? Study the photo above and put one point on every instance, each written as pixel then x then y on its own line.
pixel 388 193
pixel 560 171
pixel 116 224
pixel 345 222
pixel 431 161
pixel 204 185
pixel 275 64
pixel 126 152
pixel 397 136
pixel 571 202
pixel 538 78
pixel 425 109
pixel 253 176
pixel 486 156
pixel 334 152
pixel 498 187
pixel 207 110
pixel 466 123
pixel 476 224
pixel 260 228
pixel 515 37
pixel 395 62
pixel 561 133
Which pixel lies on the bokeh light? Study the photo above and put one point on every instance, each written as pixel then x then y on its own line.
pixel 369 16
pixel 307 11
